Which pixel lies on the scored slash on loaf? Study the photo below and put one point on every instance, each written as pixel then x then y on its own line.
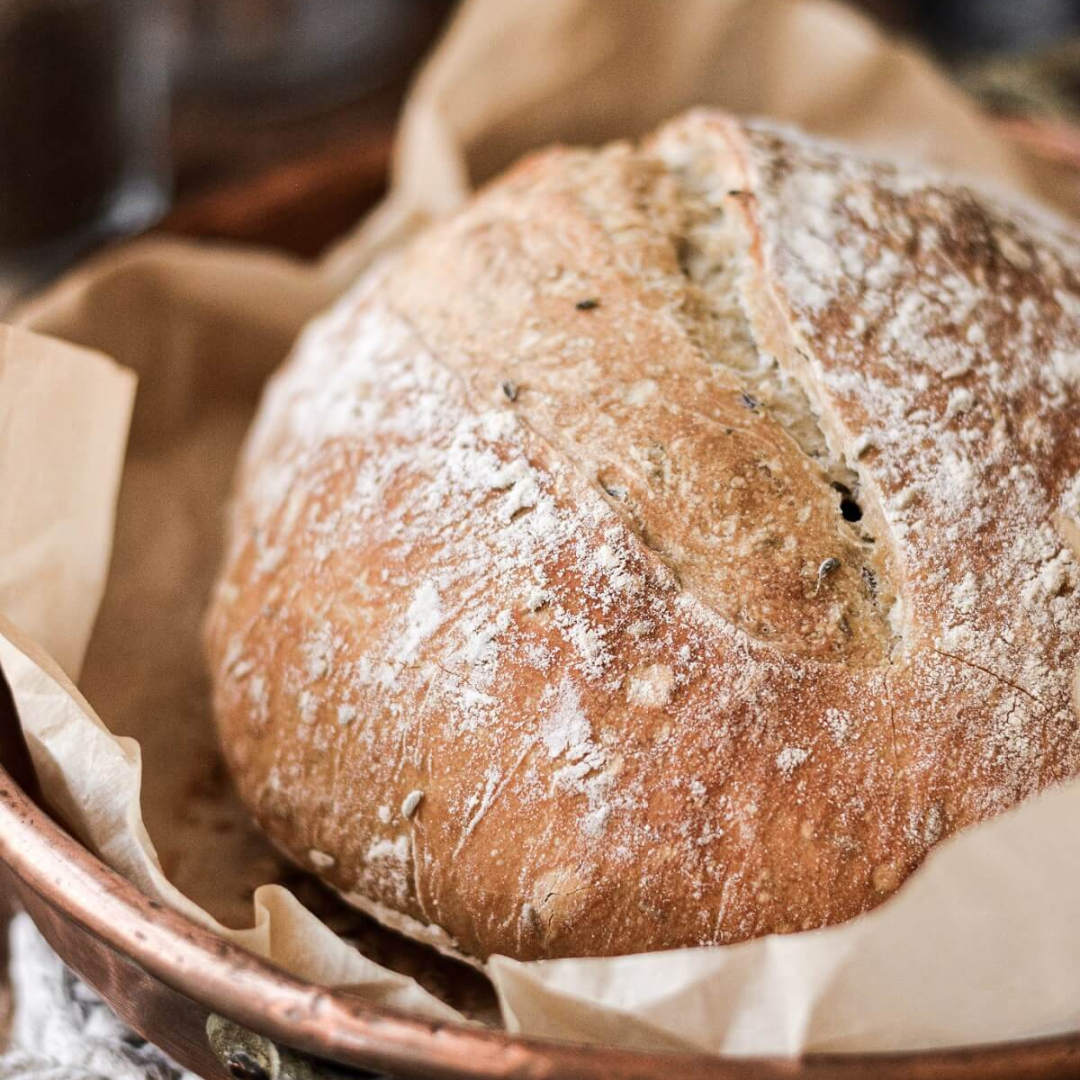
pixel 667 549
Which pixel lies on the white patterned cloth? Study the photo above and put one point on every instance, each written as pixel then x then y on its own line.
pixel 62 1030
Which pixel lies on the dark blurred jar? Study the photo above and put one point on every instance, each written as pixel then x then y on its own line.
pixel 83 119
pixel 297 56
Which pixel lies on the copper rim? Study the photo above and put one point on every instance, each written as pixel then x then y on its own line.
pixel 237 984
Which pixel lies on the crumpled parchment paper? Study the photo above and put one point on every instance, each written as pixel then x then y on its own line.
pixel 979 946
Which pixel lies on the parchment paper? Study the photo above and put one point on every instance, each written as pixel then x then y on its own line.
pixel 980 945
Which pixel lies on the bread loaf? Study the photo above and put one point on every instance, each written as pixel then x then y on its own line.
pixel 669 548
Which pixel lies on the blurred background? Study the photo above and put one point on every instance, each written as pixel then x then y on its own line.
pixel 272 120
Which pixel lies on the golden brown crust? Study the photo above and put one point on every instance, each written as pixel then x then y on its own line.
pixel 542 620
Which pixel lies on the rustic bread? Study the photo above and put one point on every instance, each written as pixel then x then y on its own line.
pixel 668 549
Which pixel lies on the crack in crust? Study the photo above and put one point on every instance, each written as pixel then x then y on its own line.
pixel 656 402
pixel 993 674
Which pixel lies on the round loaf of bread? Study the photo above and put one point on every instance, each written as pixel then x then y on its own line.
pixel 669 548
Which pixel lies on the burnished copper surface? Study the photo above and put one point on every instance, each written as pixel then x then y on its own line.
pixel 164 975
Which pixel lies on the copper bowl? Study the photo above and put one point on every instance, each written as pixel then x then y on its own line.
pixel 223 1012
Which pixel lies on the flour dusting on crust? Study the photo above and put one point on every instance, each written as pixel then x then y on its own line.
pixel 695 525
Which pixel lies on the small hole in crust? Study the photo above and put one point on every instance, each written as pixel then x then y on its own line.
pixel 850 510
pixel 684 254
